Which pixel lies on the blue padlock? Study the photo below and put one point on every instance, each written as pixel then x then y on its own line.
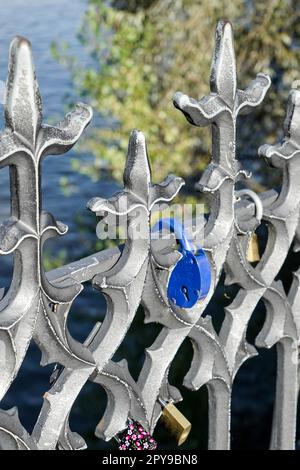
pixel 190 279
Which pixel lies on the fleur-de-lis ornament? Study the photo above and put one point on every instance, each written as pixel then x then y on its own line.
pixel 122 285
pixel 33 306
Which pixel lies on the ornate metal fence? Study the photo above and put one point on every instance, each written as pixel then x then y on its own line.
pixel 37 304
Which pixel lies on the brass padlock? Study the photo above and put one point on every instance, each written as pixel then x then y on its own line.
pixel 252 249
pixel 252 254
pixel 175 422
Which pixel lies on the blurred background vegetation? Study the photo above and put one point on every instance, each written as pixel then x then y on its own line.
pixel 145 50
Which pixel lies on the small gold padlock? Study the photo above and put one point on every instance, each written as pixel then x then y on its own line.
pixel 175 422
pixel 252 249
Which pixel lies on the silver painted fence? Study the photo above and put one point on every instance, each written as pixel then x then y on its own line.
pixel 37 304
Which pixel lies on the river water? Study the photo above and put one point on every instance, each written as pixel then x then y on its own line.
pixel 44 21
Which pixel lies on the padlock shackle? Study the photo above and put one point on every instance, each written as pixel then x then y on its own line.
pixel 259 209
pixel 190 279
pixel 177 228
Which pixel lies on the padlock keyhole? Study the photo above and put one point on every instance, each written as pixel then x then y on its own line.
pixel 185 293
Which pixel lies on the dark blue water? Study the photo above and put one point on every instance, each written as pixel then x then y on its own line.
pixel 44 21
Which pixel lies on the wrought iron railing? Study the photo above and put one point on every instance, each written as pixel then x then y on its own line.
pixel 37 304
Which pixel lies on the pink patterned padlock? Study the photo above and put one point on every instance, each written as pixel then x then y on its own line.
pixel 136 438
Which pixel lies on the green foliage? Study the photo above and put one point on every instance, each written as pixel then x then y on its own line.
pixel 52 262
pixel 145 51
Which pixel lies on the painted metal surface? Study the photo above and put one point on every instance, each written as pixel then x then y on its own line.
pixel 37 304
pixel 190 279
